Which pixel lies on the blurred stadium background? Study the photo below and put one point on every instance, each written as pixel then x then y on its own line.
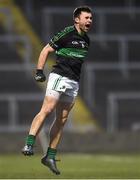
pixel 106 117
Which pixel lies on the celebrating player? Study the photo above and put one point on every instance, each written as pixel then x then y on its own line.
pixel 71 46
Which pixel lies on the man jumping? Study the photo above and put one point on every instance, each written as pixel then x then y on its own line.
pixel 71 46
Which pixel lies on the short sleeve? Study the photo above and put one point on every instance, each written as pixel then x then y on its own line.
pixel 56 41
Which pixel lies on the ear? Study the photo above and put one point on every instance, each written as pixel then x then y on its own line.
pixel 76 20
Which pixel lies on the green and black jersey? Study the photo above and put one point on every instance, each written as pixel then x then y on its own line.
pixel 71 49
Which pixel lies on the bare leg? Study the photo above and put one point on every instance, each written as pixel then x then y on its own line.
pixel 48 106
pixel 62 112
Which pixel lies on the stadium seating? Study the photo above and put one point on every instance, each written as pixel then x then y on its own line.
pixel 15 82
pixel 114 82
pixel 123 23
pixel 103 52
pixel 133 51
pixel 113 22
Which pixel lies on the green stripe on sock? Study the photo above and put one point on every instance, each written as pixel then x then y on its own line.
pixel 30 140
pixel 51 153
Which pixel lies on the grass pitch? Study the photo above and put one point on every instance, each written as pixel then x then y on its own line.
pixel 72 166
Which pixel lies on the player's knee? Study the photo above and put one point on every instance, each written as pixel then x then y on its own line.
pixel 47 111
pixel 62 121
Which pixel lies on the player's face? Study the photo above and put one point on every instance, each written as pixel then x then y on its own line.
pixel 84 21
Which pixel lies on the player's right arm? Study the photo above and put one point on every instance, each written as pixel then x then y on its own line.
pixel 43 56
pixel 41 63
pixel 54 44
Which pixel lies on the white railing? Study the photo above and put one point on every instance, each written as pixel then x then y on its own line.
pixel 17 67
pixel 13 119
pixel 113 107
pixel 26 64
pixel 112 98
pixel 48 12
pixel 13 99
pixel 123 56
pixel 90 77
pixel 12 39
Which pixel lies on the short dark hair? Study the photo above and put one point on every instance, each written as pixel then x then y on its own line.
pixel 80 9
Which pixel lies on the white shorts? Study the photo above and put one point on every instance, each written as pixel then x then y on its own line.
pixel 62 88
